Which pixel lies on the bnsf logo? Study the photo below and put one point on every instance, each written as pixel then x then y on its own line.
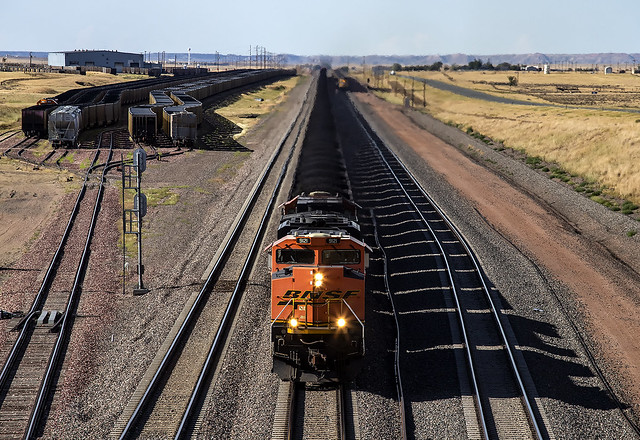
pixel 329 294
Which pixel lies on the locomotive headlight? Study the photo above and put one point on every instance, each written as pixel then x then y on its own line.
pixel 341 322
pixel 293 322
pixel 317 279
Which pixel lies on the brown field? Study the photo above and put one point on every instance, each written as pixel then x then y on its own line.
pixel 19 90
pixel 600 147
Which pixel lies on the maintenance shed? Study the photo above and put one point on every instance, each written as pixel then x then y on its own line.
pixel 99 58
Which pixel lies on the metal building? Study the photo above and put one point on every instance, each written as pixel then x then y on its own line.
pixel 99 58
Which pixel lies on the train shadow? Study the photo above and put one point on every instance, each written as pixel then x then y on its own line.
pixel 555 360
pixel 217 134
pixel 431 371
pixel 356 87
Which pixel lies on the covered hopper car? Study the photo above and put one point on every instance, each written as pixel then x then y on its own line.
pixel 64 125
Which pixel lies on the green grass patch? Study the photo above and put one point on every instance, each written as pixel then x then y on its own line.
pixel 86 163
pixel 68 158
pixel 631 233
pixel 161 196
pixel 533 161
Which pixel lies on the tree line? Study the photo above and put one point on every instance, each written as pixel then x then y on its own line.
pixel 476 64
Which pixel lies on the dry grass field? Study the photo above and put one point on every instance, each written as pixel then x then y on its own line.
pixel 246 109
pixel 19 90
pixel 594 149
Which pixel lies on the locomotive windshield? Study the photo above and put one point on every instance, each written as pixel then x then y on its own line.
pixel 293 256
pixel 340 256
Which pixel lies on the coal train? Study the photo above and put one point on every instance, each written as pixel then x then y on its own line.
pixel 178 110
pixel 318 265
pixel 98 105
pixel 173 106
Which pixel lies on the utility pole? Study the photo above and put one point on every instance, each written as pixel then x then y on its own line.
pixel 256 53
pixel 424 94
pixel 412 90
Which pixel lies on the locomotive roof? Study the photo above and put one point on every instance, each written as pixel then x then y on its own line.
pixel 320 201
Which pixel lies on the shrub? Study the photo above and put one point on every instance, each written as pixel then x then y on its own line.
pixel 533 160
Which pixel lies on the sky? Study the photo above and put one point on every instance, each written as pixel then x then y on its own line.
pixel 327 27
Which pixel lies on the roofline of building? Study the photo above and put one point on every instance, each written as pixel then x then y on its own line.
pixel 89 51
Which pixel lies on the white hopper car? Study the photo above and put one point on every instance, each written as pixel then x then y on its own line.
pixel 64 125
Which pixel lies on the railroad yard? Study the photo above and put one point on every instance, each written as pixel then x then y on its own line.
pixel 499 303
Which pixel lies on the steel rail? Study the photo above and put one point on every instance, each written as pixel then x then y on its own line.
pixel 342 410
pixel 234 300
pixel 46 282
pixel 207 287
pixel 514 368
pixel 399 388
pixel 67 320
pixel 23 141
pixel 481 416
pixel 9 134
pixel 24 147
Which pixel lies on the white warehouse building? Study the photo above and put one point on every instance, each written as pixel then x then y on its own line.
pixel 98 58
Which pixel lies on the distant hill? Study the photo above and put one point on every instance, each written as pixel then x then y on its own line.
pixel 408 60
pixel 463 59
pixel 613 59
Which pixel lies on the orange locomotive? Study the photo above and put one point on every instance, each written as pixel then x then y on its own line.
pixel 317 290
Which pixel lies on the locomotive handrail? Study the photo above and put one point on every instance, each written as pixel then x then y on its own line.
pixel 359 322
pixel 283 307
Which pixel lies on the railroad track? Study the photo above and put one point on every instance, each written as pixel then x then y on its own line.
pixel 20 146
pixel 32 365
pixel 8 135
pixel 432 275
pixel 313 413
pixel 168 405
